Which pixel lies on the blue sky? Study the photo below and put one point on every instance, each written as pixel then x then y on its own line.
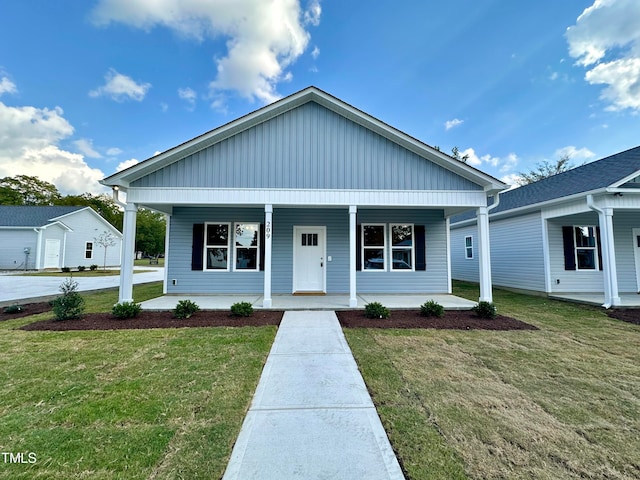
pixel 87 88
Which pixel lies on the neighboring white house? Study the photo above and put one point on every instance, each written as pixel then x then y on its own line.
pixel 306 195
pixel 37 238
pixel 577 232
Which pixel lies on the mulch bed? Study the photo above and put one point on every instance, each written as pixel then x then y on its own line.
pixel 631 315
pixel 28 309
pixel 453 319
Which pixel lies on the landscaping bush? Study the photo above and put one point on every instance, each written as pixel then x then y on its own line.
pixel 376 310
pixel 242 309
pixel 485 310
pixel 93 267
pixel 13 309
pixel 81 268
pixel 70 304
pixel 185 308
pixel 126 310
pixel 431 308
pixel 66 269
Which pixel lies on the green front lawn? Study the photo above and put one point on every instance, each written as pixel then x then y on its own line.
pixel 561 402
pixel 129 404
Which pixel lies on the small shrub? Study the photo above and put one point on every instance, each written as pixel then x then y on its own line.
pixel 13 309
pixel 376 310
pixel 81 268
pixel 66 269
pixel 241 309
pixel 93 267
pixel 431 308
pixel 126 310
pixel 485 310
pixel 70 304
pixel 185 308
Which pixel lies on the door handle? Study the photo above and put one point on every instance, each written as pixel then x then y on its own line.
pixel 321 262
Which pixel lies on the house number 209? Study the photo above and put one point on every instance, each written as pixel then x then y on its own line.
pixel 267 230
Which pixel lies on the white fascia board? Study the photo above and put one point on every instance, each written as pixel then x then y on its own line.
pixel 60 224
pixel 626 179
pixel 306 197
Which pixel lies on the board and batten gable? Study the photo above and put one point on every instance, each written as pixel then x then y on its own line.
pixel 308 147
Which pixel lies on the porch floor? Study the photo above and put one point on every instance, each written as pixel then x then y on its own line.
pixel 629 300
pixel 310 302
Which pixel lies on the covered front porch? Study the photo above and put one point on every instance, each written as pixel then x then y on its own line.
pixel 627 300
pixel 310 302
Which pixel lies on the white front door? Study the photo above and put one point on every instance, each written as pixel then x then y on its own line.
pixel 636 254
pixel 309 259
pixel 52 253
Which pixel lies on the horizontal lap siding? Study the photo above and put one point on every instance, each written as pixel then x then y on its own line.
pixel 307 147
pixel 463 268
pixel 86 227
pixel 179 258
pixel 623 224
pixel 12 245
pixel 434 279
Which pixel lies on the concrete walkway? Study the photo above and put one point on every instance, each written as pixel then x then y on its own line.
pixel 311 416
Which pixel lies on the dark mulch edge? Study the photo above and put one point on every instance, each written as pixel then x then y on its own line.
pixel 453 320
pixel 630 315
pixel 29 309
pixel 150 319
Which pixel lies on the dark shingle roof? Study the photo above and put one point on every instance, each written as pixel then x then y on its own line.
pixel 31 216
pixel 591 176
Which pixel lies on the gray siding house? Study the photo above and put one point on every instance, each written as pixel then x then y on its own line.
pixel 44 237
pixel 308 195
pixel 577 232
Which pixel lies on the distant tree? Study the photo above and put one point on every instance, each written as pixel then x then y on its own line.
pixel 150 232
pixel 545 169
pixel 105 240
pixel 27 190
pixel 455 153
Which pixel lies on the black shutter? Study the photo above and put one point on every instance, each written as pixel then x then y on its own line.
pixel 197 245
pixel 569 248
pixel 261 248
pixel 358 247
pixel 421 250
pixel 599 247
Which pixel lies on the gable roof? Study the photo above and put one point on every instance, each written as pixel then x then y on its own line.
pixel 32 216
pixel 310 94
pixel 609 172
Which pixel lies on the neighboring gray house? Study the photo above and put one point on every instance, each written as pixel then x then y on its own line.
pixel 306 195
pixel 577 232
pixel 37 238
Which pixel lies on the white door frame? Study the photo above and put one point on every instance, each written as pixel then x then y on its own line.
pixel 47 242
pixel 636 254
pixel 296 230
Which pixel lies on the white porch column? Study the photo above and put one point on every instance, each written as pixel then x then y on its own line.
pixel 610 270
pixel 353 299
pixel 128 252
pixel 268 233
pixel 167 221
pixel 484 255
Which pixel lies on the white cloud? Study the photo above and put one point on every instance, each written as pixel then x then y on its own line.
pixel 126 164
pixel 315 53
pixel 114 151
pixel 189 95
pixel 606 40
pixel 85 147
pixel 476 161
pixel 119 87
pixel 575 154
pixel 30 147
pixel 7 86
pixel 512 179
pixel 509 163
pixel 263 38
pixel 449 124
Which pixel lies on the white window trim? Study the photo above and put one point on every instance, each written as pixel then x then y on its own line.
pixel 370 247
pixel 467 247
pixel 235 248
pixel 596 261
pixel 206 245
pixel 413 247
pixel 86 249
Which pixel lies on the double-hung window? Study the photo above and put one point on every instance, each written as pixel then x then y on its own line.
pixel 373 247
pixel 468 247
pixel 402 242
pixel 88 250
pixel 246 246
pixel 586 248
pixel 216 246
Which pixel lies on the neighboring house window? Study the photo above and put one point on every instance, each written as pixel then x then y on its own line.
pixel 402 252
pixel 216 246
pixel 468 247
pixel 585 248
pixel 246 246
pixel 88 250
pixel 373 247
